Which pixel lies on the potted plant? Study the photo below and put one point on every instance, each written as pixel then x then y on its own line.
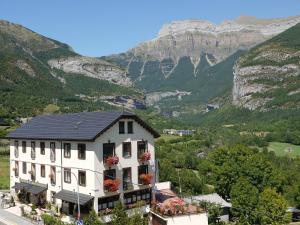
pixel 146 156
pixel 112 160
pixel 146 178
pixel 111 185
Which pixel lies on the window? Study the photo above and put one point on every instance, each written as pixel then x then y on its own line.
pixel 108 202
pixel 16 168
pixel 52 175
pixel 67 175
pixel 110 174
pixel 130 127
pixel 141 148
pixel 52 152
pixel 126 149
pixel 81 151
pixel 42 148
pixel 43 171
pixel 108 150
pixel 32 172
pixel 32 150
pixel 127 183
pixel 24 167
pixel 121 127
pixel 67 150
pixel 16 149
pixel 142 169
pixel 82 178
pixel 133 197
pixel 52 197
pixel 24 146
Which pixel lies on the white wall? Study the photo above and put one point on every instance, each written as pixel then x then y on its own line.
pixel 92 163
pixel 192 219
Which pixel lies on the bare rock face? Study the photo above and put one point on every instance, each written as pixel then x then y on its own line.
pixel 23 65
pixel 193 37
pixel 92 67
pixel 268 76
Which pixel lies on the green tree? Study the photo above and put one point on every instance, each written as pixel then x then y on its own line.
pixel 244 199
pixel 119 216
pixel 92 219
pixel 272 208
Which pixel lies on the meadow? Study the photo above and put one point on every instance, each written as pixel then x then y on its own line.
pixel 284 149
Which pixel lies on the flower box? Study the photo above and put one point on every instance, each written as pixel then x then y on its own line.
pixel 112 160
pixel 146 178
pixel 111 185
pixel 146 156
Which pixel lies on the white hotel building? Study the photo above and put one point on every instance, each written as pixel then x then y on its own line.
pixel 102 153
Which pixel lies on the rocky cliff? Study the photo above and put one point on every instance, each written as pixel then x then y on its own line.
pixel 268 76
pixel 196 56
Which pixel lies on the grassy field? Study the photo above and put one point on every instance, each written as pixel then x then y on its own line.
pixel 4 172
pixel 284 149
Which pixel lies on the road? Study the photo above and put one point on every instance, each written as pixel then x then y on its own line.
pixel 7 218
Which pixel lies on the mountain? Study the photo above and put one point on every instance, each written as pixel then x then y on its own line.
pixel 268 76
pixel 188 55
pixel 36 71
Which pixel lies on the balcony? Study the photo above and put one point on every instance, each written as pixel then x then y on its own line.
pixel 145 178
pixel 144 157
pixel 111 160
pixel 111 185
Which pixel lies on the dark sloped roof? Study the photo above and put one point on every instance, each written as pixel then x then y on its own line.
pixel 34 189
pixel 71 196
pixel 85 126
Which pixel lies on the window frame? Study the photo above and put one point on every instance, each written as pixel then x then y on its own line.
pixel 43 171
pixel 33 150
pixel 67 150
pixel 24 146
pixel 79 154
pixel 24 168
pixel 16 168
pixel 67 171
pixel 53 171
pixel 52 151
pixel 42 147
pixel 122 128
pixel 80 173
pixel 130 149
pixel 131 130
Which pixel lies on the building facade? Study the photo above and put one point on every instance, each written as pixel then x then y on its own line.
pixel 107 156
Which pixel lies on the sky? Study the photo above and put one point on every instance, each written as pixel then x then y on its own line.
pixel 104 27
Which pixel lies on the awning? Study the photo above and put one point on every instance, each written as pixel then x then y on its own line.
pixel 71 196
pixel 32 188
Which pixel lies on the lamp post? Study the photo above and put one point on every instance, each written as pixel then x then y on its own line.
pixel 78 203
